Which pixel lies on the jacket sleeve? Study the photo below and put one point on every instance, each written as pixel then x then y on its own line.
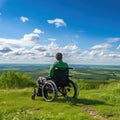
pixel 51 70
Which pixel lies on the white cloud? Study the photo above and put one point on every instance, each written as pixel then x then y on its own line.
pixel 102 46
pixel 39 48
pixel 72 48
pixel 29 50
pixel 118 47
pixel 5 49
pixel 24 19
pixel 114 55
pixel 52 39
pixel 111 40
pixel 38 31
pixel 58 22
pixel 30 39
pixel 9 43
pixel 53 47
pixel 46 54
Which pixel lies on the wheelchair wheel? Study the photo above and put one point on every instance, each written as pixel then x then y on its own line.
pixel 49 91
pixel 71 90
pixel 33 95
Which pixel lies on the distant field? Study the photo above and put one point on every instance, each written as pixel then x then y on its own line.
pixel 80 72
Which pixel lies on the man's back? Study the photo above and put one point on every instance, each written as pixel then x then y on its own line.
pixel 58 64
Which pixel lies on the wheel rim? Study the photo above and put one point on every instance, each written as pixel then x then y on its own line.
pixel 49 92
pixel 71 90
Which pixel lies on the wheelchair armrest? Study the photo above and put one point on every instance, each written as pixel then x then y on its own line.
pixel 70 68
pixel 48 78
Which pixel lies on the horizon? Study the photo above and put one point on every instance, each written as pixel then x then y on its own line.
pixel 86 32
pixel 51 64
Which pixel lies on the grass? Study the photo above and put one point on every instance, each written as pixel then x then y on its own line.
pixel 97 104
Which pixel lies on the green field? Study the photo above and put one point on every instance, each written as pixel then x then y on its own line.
pixel 98 99
pixel 97 104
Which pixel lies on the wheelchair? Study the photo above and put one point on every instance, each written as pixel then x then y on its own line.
pixel 59 85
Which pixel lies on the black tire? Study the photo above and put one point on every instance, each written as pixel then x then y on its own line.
pixel 33 97
pixel 39 91
pixel 49 91
pixel 71 90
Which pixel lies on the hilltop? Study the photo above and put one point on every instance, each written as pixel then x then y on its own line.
pixel 96 104
pixel 98 99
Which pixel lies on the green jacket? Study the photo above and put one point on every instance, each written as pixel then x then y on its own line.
pixel 58 64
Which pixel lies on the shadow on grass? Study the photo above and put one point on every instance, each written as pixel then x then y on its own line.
pixel 76 101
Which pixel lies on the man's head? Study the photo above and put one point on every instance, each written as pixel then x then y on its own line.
pixel 59 56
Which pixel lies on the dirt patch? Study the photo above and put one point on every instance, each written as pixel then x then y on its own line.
pixel 93 113
pixel 35 110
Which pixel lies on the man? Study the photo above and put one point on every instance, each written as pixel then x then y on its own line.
pixel 58 64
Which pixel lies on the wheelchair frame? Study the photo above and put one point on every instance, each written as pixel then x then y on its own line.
pixel 50 91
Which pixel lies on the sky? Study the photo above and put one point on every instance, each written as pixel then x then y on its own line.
pixel 85 31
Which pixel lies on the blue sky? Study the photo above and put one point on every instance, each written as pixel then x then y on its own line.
pixel 85 31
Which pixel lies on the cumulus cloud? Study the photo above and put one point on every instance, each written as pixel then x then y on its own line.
pixel 39 48
pixel 71 48
pixel 52 39
pixel 29 50
pixel 5 50
pixel 46 54
pixel 38 31
pixel 30 39
pixel 118 47
pixel 114 55
pixel 111 40
pixel 58 22
pixel 24 19
pixel 12 43
pixel 102 46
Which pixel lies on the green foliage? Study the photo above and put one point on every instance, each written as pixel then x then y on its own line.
pixel 12 79
pixel 19 109
pixel 99 96
pixel 96 72
pixel 91 84
pixel 95 104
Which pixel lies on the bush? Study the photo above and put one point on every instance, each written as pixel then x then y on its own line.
pixel 91 84
pixel 12 79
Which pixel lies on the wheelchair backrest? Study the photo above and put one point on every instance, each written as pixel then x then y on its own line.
pixel 61 77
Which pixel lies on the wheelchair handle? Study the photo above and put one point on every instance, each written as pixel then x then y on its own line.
pixel 70 68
